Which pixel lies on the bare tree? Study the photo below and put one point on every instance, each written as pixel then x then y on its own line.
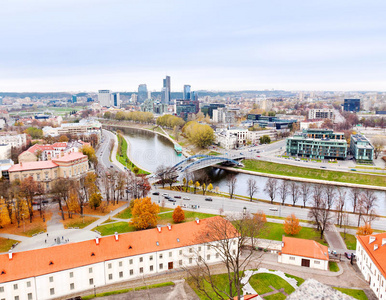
pixel 378 143
pixel 330 193
pixel 354 195
pixel 316 205
pixel 283 190
pixel 305 189
pixel 252 187
pixel 294 191
pixel 161 175
pixel 231 183
pixel 171 175
pixel 60 191
pixel 367 206
pixel 229 237
pixel 271 188
pixel 340 206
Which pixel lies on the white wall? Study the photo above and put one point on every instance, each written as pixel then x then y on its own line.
pixel 297 261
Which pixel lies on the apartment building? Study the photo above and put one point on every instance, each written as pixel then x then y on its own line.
pixel 321 113
pixel 84 127
pixel 68 269
pixel 13 138
pixel 361 148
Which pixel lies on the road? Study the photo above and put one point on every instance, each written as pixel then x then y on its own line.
pixel 103 152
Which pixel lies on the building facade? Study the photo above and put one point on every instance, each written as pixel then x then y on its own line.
pixel 84 127
pixel 317 143
pixel 353 105
pixel 370 255
pixel 13 139
pixel 187 95
pixel 5 151
pixel 361 148
pixel 165 93
pixel 184 108
pixel 142 93
pixel 68 269
pixel 325 113
pixel 108 99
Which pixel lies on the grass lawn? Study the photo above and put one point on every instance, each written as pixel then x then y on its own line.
pixel 298 279
pixel 275 231
pixel 220 281
pixel 6 244
pixel 78 221
pixel 111 228
pixel 277 296
pixel 357 294
pixel 261 282
pixel 109 220
pixel 294 171
pixel 333 266
pixel 351 241
pixel 189 216
pixel 164 209
pixel 214 153
pixel 124 214
pixel 122 155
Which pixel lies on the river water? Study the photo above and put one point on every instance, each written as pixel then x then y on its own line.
pixel 150 150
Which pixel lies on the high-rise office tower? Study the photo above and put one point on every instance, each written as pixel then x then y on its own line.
pixel 116 99
pixel 142 93
pixel 165 95
pixel 186 92
pixel 74 99
pixel 104 97
pixel 194 96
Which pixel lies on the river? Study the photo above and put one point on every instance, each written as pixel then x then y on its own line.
pixel 151 150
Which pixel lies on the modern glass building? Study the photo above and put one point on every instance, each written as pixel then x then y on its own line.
pixel 186 92
pixel 142 93
pixel 318 143
pixel 361 148
pixel 353 105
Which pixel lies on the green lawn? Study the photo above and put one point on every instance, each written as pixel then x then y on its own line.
pixel 357 294
pixel 6 244
pixel 351 241
pixel 189 216
pixel 261 282
pixel 333 266
pixel 122 155
pixel 298 279
pixel 124 214
pixel 220 281
pixel 164 209
pixel 289 170
pixel 214 153
pixel 275 231
pixel 109 229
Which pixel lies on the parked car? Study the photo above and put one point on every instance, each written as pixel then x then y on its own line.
pixel 156 193
pixel 348 255
pixel 322 167
pixel 172 200
pixel 165 194
pixel 208 199
pixel 273 209
pixel 177 197
pixel 186 198
pixel 45 201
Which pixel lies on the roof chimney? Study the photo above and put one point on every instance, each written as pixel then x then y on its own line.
pixel 383 241
pixel 372 239
pixel 197 220
pixel 375 247
pixel 21 164
pixel 97 240
pixel 116 236
pixel 10 254
pixel 159 228
pixel 169 226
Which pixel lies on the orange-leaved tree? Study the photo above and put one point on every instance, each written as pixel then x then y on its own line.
pixel 365 229
pixel 260 217
pixel 144 213
pixel 178 215
pixel 291 225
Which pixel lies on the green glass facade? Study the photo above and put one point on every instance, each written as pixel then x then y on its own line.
pixel 361 148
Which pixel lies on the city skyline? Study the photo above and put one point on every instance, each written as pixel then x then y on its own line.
pixel 117 45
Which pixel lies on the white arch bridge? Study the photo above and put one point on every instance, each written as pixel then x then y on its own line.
pixel 196 162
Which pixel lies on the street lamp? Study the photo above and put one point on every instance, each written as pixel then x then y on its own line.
pixel 244 211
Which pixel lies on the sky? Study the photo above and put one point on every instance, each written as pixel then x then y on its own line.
pixel 87 45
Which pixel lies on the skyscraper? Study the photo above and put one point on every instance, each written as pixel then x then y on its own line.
pixel 108 99
pixel 186 92
pixel 74 99
pixel 165 94
pixel 142 93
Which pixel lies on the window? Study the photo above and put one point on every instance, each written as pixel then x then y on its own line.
pixel 110 276
pixel 38 177
pixel 120 264
pixel 292 258
pixel 51 279
pixel 180 252
pixel 190 250
pixel 151 257
pixel 190 260
pixel 141 259
pixel 170 254
pixel 71 274
pixel 151 268
pixel 120 274
pixel 199 258
pixel 52 291
pixel 161 266
pixel 141 270
pixel 208 257
pixel 15 286
pixel 199 248
pixel 72 286
pixel 16 297
pixel 130 261
pixel 208 247
pixel 28 284
pixel 180 262
pixel 91 281
pixel 160 256
pixel 109 266
pixel 1 289
pixel 131 272
pixel 90 270
pixel 217 255
pixel 29 295
pixel 317 262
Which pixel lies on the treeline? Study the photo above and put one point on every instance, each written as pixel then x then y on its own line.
pixel 170 121
pixel 135 116
pixel 199 134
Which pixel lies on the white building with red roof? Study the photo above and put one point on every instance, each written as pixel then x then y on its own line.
pixel 371 260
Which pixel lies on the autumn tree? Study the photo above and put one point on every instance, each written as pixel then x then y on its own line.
pixel 196 186
pixel 29 188
pixel 95 200
pixel 72 203
pixel 260 217
pixel 291 225
pixel 271 188
pixel 4 216
pixel 63 138
pixel 90 152
pixel 178 215
pixel 60 191
pixel 199 134
pixel 252 187
pixel 365 229
pixel 144 213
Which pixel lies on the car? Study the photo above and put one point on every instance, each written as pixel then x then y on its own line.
pixel 208 199
pixel 186 198
pixel 45 201
pixel 353 169
pixel 111 167
pixel 165 194
pixel 156 193
pixel 172 200
pixel 348 255
pixel 273 209
pixel 258 155
pixel 322 167
pixel 177 197
pixel 168 197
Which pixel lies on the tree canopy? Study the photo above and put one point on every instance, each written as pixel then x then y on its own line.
pixel 144 213
pixel 199 134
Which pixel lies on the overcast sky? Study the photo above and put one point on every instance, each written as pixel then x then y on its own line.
pixel 86 45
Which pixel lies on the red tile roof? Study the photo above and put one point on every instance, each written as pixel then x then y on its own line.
pixel 70 157
pixel 378 256
pixel 33 165
pixel 306 248
pixel 63 257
